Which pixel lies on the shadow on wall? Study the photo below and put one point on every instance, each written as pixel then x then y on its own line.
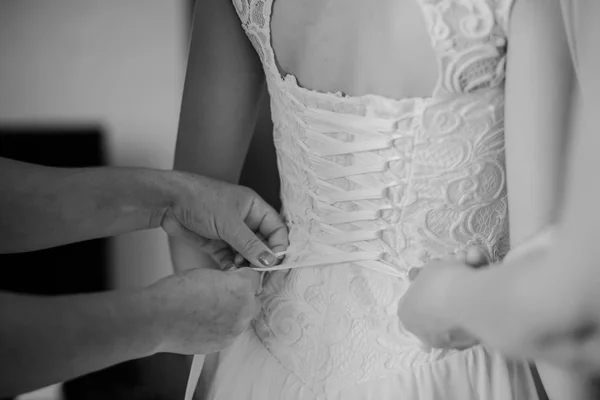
pixel 71 269
pixel 75 268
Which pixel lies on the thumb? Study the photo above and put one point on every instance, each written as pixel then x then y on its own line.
pixel 250 246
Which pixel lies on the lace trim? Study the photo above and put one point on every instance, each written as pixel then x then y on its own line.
pixel 469 37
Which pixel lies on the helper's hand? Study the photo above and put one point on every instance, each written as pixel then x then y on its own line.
pixel 224 220
pixel 423 309
pixel 201 311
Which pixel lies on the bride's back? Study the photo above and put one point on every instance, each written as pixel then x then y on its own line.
pixel 356 47
pixel 408 166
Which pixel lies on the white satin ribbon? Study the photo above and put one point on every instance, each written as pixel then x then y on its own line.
pixel 194 377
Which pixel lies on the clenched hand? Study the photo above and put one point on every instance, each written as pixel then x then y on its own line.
pixel 201 311
pixel 225 220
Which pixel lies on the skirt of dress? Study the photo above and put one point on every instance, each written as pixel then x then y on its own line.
pixel 247 371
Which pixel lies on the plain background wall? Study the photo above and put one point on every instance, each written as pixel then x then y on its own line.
pixel 119 63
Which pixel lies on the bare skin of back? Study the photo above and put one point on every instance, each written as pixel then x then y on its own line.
pixel 355 47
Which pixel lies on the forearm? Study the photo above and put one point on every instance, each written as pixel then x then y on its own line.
pixel 45 340
pixel 44 207
pixel 538 93
pixel 547 307
pixel 537 116
pixel 526 307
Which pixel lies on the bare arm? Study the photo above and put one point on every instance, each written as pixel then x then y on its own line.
pixel 223 85
pixel 43 207
pixel 552 299
pixel 545 305
pixel 538 94
pixel 549 299
pixel 581 219
pixel 45 340
pixel 561 288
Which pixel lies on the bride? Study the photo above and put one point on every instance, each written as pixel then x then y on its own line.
pixel 389 129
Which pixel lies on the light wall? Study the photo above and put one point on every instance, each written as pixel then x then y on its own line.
pixel 119 63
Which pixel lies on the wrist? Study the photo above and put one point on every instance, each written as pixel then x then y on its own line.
pixel 151 330
pixel 117 324
pixel 134 323
pixel 160 310
pixel 158 193
pixel 123 199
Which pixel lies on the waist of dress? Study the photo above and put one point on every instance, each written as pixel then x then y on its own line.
pixel 375 260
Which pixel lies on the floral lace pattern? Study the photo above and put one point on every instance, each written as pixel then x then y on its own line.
pixel 372 187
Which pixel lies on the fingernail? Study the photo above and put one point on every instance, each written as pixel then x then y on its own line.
pixel 267 259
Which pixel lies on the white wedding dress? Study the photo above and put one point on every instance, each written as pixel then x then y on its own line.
pixel 372 187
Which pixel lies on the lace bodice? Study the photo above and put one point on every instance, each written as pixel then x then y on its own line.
pixel 372 187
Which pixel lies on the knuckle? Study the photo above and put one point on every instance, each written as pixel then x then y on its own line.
pixel 241 194
pixel 253 243
pixel 248 192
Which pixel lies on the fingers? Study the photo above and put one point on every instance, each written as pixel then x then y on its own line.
pixel 259 217
pixel 175 229
pixel 476 258
pixel 221 253
pixel 250 246
pixel 461 256
pixel 473 257
pixel 239 260
pixel 266 222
